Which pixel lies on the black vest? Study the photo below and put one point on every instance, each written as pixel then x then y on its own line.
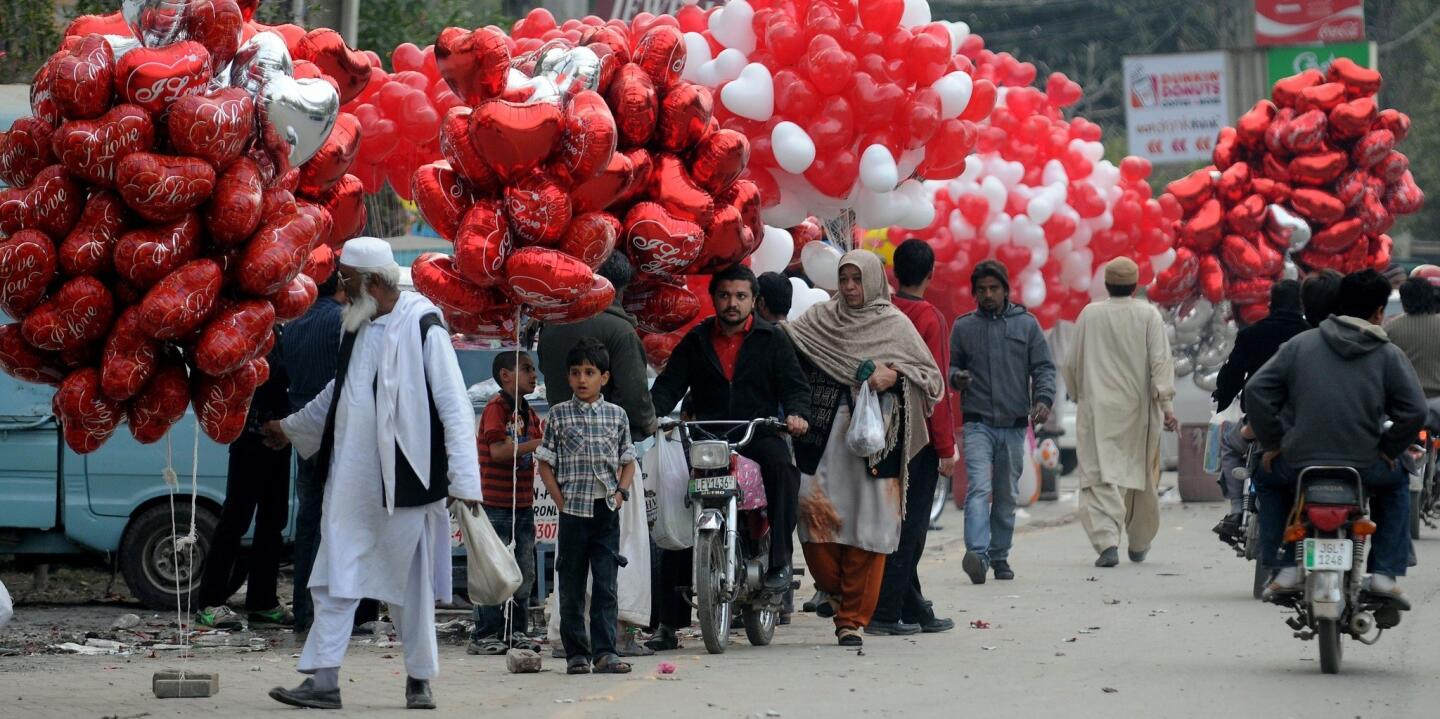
pixel 409 492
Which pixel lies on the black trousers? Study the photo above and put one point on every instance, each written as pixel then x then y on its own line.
pixel 782 494
pixel 589 549
pixel 257 487
pixel 900 596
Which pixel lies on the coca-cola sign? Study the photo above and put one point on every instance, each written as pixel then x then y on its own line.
pixel 1308 22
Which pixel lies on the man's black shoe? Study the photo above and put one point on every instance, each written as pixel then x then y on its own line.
pixel 307 696
pixel 777 580
pixel 417 694
pixel 1229 527
pixel 894 629
pixel 664 639
pixel 1002 569
pixel 974 565
pixel 935 625
pixel 1109 558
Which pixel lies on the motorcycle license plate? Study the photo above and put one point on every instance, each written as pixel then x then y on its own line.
pixel 1323 554
pixel 714 485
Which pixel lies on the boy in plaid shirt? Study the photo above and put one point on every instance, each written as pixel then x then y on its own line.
pixel 587 463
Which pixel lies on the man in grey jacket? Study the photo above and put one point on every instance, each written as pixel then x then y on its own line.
pixel 616 329
pixel 1001 363
pixel 1322 400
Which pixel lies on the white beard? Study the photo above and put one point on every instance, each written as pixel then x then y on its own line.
pixel 361 309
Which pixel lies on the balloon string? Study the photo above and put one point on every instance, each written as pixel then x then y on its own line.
pixel 510 602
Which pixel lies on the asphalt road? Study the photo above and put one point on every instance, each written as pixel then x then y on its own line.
pixel 1177 636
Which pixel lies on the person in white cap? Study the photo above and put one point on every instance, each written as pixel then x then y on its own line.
pixel 394 433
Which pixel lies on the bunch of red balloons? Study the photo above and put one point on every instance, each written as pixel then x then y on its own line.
pixel 1038 197
pixel 399 114
pixel 586 143
pixel 1312 174
pixel 175 194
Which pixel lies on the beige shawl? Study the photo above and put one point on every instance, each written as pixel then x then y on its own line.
pixel 838 339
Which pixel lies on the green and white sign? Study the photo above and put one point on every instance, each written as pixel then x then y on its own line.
pixel 1282 62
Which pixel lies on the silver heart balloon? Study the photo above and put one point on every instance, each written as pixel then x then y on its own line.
pixel 546 57
pixel 1184 365
pixel 1207 380
pixel 300 112
pixel 1192 315
pixel 121 45
pixel 535 90
pixel 157 23
pixel 579 69
pixel 1283 223
pixel 259 59
pixel 1290 271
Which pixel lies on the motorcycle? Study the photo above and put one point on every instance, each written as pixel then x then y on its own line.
pixel 732 546
pixel 1424 495
pixel 1331 521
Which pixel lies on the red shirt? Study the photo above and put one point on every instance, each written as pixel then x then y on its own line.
pixel 727 347
pixel 931 325
pixel 504 485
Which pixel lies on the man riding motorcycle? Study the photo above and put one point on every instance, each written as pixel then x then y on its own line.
pixel 1322 401
pixel 737 366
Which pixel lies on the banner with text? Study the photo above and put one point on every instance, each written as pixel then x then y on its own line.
pixel 1282 62
pixel 1175 105
pixel 1303 22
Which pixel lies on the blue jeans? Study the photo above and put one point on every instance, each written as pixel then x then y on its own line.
pixel 490 621
pixel 994 457
pixel 1389 493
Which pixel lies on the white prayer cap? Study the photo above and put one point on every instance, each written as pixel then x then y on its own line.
pixel 367 253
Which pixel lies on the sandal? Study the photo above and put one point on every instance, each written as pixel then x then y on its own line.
pixel 577 665
pixel 850 637
pixel 489 647
pixel 611 664
pixel 520 640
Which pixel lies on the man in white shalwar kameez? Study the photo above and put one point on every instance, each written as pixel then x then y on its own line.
pixel 1121 375
pixel 385 529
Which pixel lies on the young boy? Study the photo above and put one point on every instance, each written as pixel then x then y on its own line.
pixel 506 444
pixel 587 463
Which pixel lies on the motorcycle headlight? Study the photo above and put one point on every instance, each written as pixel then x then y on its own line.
pixel 709 455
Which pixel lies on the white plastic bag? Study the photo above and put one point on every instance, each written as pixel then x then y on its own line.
pixel 1220 424
pixel 633 582
pixel 866 435
pixel 669 476
pixel 7 608
pixel 491 572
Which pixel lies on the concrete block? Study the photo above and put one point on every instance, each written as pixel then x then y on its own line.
pixel 184 684
pixel 522 661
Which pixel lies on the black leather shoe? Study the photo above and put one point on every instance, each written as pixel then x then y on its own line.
pixel 974 565
pixel 307 696
pixel 1229 527
pixel 777 580
pixel 1137 557
pixel 1002 569
pixel 935 625
pixel 891 629
pixel 417 694
pixel 1109 558
pixel 664 639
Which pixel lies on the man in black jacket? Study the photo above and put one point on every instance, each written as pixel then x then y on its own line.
pixel 737 366
pixel 1254 346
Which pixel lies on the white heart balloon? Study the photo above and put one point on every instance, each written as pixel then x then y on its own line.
pixel 954 90
pixel 877 169
pixel 752 94
pixel 774 251
pixel 917 12
pixel 878 209
pixel 794 150
pixel 697 54
pixel 994 191
pixel 1162 261
pixel 973 167
pixel 919 209
pixel 821 263
pixel 732 26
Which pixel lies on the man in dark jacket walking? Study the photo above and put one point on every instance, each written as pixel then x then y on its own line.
pixel 736 366
pixel 1254 346
pixel 1322 401
pixel 1000 361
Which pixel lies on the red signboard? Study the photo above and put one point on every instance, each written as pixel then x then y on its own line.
pixel 1308 22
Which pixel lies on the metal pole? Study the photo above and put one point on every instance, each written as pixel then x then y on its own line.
pixel 350 21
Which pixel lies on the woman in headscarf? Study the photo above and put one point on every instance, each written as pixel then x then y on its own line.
pixel 850 505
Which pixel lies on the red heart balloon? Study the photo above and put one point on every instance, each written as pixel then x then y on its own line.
pixel 1287 91
pixel 725 242
pixel 89 248
pixel 130 358
pixel 685 116
pixel 51 204
pixel 1318 206
pixel 1317 170
pixel 512 138
pixel 661 54
pixel 482 244
pixel 600 295
pixel 541 277
pixel 27 265
pixel 319 265
pixel 182 300
pixel 590 238
pixel 435 277
pixel 297 296
pixel 538 210
pixel 79 313
pixel 160 405
pixel 232 336
pixel 221 403
pixel 589 140
pixel 660 243
pixel 349 68
pixel 672 186
pixel 25 151
pixel 345 201
pixel 464 158
pixel 719 159
pixel 1204 230
pixel 234 209
pixel 442 196
pixel 163 187
pixel 215 126
pixel 333 159
pixel 92 149
pixel 660 306
pixel 635 105
pixel 279 249
pixel 216 24
pixel 836 174
pixel 107 24
pixel 1391 168
pixel 145 255
pixel 155 77
pixel 42 98
pixel 84 78
pixel 604 188
pixel 25 363
pixel 1240 257
pixel 475 64
pixel 744 195
pixel 86 415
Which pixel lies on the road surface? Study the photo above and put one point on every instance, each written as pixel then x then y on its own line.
pixel 1177 636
